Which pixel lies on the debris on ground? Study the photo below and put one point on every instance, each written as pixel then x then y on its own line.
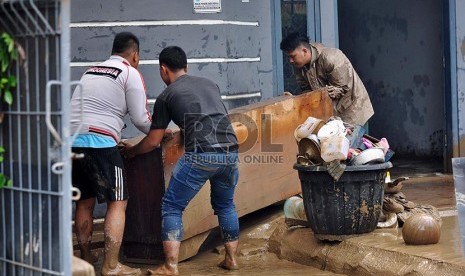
pixel 395 202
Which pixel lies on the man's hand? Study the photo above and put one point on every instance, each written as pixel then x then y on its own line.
pixel 168 135
pixel 334 92
pixel 122 144
pixel 147 144
pixel 287 94
pixel 127 151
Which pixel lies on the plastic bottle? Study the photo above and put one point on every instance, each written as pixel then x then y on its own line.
pixel 388 177
pixel 334 148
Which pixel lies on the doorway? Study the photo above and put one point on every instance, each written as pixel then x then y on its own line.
pixel 293 19
pixel 399 57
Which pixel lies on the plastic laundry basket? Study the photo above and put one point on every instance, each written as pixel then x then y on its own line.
pixel 339 209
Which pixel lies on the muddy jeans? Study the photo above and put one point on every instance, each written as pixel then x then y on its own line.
pixel 189 175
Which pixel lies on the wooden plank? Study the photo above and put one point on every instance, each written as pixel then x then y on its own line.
pixel 142 237
pixel 265 181
pixel 267 153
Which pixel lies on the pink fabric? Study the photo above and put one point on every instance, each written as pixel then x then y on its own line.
pixel 367 143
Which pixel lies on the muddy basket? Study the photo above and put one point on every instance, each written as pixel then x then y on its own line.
pixel 340 209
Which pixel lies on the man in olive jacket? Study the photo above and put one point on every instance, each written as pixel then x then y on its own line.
pixel 317 66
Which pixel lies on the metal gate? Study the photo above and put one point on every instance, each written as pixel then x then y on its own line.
pixel 35 212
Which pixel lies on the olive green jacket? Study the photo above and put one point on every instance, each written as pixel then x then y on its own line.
pixel 329 66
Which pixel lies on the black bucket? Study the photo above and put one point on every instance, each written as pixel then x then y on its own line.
pixel 350 206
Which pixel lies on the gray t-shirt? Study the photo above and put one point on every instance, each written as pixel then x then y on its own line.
pixel 194 104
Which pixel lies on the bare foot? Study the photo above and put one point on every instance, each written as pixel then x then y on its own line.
pixel 164 269
pixel 120 269
pixel 229 264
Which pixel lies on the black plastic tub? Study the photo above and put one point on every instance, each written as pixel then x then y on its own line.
pixel 350 206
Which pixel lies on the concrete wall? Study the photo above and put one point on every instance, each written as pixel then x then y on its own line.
pixel 397 50
pixel 245 45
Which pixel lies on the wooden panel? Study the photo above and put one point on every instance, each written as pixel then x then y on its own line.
pixel 265 177
pixel 142 238
pixel 267 180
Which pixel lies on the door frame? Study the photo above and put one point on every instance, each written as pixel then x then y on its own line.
pixel 451 108
pixel 276 37
pixel 322 27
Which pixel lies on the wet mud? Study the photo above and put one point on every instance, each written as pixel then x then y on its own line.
pixel 253 259
pixel 448 249
pixel 269 247
pixel 382 252
pixel 434 190
pixel 266 264
pixel 253 255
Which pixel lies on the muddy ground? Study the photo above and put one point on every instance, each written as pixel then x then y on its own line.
pixel 255 258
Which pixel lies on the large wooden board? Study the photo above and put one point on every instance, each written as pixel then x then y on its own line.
pixel 267 153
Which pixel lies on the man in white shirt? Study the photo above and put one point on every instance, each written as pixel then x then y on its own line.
pixel 111 90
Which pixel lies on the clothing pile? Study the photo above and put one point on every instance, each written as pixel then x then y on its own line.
pixel 336 144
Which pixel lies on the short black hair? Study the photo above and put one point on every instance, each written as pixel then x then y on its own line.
pixel 173 57
pixel 125 41
pixel 292 41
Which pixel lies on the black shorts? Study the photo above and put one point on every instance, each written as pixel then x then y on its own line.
pixel 100 174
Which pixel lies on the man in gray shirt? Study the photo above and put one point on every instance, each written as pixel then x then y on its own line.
pixel 111 90
pixel 211 153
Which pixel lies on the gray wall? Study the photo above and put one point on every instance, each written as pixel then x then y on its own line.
pixel 247 78
pixel 397 50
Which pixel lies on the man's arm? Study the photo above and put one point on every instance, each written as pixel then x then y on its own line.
pixel 149 143
pixel 160 121
pixel 136 100
pixel 338 69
